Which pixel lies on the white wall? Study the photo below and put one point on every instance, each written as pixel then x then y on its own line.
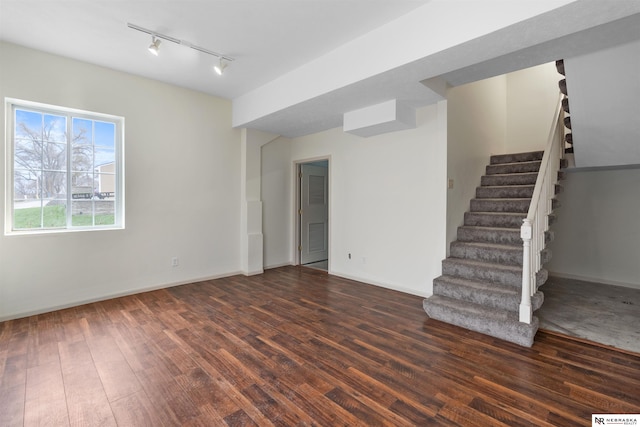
pixel 604 88
pixel 277 204
pixel 532 97
pixel 387 201
pixel 597 234
pixel 476 129
pixel 182 189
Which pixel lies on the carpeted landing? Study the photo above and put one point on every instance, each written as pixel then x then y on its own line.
pixel 601 313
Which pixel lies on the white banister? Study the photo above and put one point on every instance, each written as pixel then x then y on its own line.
pixel 536 223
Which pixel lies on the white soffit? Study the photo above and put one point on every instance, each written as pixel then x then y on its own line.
pixel 389 116
pixel 435 27
pixel 435 40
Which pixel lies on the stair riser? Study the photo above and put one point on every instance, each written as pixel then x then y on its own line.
pixel 513 168
pixel 496 205
pixel 518 157
pixel 485 273
pixel 504 192
pixel 515 179
pixel 504 237
pixel 487 220
pixel 498 256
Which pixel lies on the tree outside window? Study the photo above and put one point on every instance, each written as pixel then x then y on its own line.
pixel 67 169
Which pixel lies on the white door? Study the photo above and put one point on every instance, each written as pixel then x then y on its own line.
pixel 314 213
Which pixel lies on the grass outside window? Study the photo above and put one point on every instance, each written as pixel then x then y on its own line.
pixel 55 217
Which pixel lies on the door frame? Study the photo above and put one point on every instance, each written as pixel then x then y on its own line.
pixel 297 167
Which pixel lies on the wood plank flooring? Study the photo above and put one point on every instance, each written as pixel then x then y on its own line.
pixel 294 347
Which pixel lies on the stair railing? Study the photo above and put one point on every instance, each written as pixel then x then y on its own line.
pixel 536 223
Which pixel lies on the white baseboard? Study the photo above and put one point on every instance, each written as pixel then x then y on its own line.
pixel 382 285
pixel 105 297
pixel 284 264
pixel 593 280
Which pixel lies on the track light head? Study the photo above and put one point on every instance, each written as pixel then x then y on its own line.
pixel 154 46
pixel 219 69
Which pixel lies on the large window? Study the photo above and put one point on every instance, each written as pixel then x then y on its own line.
pixel 64 169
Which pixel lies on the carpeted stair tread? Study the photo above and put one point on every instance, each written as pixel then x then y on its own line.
pixel 509 179
pixel 494 219
pixel 505 191
pixel 500 205
pixel 501 235
pixel 489 272
pixel 480 270
pixel 487 252
pixel 497 323
pixel 505 254
pixel 541 277
pixel 484 293
pixel 549 236
pixel 516 157
pixel 510 168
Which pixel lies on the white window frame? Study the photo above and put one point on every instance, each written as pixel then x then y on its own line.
pixel 11 105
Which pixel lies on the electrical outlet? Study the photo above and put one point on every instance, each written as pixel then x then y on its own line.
pixel 175 261
pixel 450 184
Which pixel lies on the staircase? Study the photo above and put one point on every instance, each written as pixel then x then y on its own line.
pixel 562 84
pixel 481 283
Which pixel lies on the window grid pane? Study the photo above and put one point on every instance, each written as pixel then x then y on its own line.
pixel 59 187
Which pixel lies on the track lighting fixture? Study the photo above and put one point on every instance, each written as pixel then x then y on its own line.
pixel 223 60
pixel 154 46
pixel 219 69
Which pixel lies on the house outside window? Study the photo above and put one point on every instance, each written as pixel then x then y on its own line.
pixel 64 169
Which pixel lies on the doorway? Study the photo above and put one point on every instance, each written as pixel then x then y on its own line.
pixel 313 214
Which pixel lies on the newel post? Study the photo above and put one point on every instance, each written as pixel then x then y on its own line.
pixel 526 232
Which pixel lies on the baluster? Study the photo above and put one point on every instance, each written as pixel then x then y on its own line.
pixel 536 224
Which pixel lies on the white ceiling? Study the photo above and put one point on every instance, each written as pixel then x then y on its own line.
pixel 275 42
pixel 267 38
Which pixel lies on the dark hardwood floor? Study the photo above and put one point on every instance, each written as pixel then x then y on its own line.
pixel 294 347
